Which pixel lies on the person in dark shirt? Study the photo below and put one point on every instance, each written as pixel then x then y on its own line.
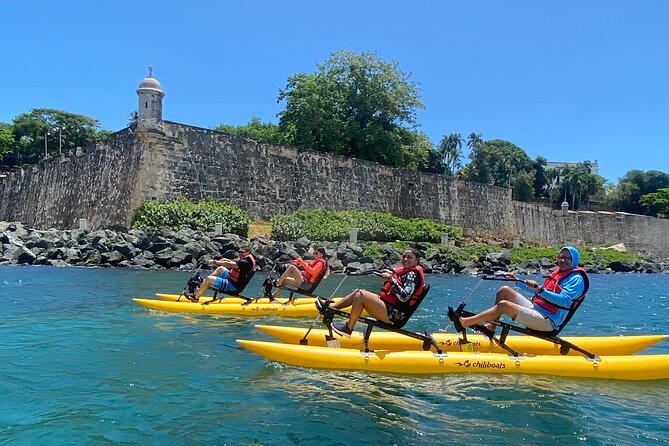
pixel 231 276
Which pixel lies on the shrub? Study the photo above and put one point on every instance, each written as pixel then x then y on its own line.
pixel 318 224
pixel 588 255
pixel 607 256
pixel 524 254
pixel 183 213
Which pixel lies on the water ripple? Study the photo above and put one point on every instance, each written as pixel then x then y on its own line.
pixel 81 364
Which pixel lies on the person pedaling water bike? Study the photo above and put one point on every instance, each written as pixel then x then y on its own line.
pixel 302 276
pixel 230 276
pixel 396 299
pixel 551 307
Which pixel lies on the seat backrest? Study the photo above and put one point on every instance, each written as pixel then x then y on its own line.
pixel 247 280
pixel 572 309
pixel 412 309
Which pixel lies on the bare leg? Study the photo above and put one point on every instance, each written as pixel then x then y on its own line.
pixel 209 280
pixel 347 300
pixel 291 276
pixel 366 300
pixel 492 313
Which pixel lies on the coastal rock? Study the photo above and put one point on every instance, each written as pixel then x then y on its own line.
pixel 164 257
pixel 25 256
pixel 112 257
pixel 185 249
pixel 621 267
pixel 92 258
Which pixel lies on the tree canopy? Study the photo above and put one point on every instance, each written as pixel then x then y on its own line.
pixel 450 149
pixel 656 202
pixel 62 130
pixel 355 105
pixel 6 140
pixel 635 184
pixel 497 162
pixel 255 129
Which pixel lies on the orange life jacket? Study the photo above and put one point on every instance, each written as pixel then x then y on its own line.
pixel 237 279
pixel 316 278
pixel 553 283
pixel 389 296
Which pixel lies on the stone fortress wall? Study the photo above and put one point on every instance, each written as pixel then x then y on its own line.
pixel 160 160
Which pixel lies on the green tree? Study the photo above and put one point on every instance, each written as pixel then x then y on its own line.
pixel 540 180
pixel 635 184
pixel 6 140
pixel 356 105
pixel 62 130
pixel 133 116
pixel 427 156
pixel 255 129
pixel 473 141
pixel 593 186
pixel 523 186
pixel 450 149
pixel 497 162
pixel 656 202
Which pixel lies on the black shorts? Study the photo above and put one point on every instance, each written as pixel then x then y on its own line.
pixel 306 286
pixel 394 315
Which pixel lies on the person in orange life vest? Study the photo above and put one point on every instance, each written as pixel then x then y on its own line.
pixel 549 307
pixel 302 275
pixel 231 275
pixel 399 293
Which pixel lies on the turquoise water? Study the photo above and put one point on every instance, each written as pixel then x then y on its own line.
pixel 80 363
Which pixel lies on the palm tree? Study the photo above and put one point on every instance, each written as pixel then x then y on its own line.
pixel 450 149
pixel 473 141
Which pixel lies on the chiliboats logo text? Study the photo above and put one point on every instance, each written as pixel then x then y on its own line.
pixel 481 364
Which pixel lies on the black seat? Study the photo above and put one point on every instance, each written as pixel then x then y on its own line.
pixel 412 309
pixel 309 292
pixel 329 312
pixel 234 293
pixel 550 336
pixel 572 309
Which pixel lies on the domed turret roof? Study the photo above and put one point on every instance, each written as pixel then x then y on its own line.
pixel 150 82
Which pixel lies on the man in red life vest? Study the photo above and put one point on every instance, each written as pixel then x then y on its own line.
pixel 398 295
pixel 551 303
pixel 231 275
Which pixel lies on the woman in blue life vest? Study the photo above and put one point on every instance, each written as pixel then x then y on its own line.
pixel 549 307
pixel 399 293
pixel 230 275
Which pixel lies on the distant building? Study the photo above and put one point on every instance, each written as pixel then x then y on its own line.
pixel 594 169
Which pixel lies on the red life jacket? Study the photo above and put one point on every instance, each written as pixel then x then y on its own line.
pixel 317 278
pixel 389 296
pixel 240 281
pixel 553 283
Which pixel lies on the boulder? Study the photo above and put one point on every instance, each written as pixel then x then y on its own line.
pixel 126 249
pixel 139 238
pixel 621 267
pixel 92 257
pixel 112 257
pixel 25 256
pixel 164 257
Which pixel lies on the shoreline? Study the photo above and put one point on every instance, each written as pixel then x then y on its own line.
pixel 186 249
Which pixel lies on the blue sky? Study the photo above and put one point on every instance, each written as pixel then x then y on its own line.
pixel 567 80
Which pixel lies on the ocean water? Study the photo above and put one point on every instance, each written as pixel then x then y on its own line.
pixel 81 364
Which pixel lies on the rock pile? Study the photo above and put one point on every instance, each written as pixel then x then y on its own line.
pixel 186 248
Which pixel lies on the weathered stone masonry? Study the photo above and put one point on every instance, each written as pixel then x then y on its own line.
pixel 159 159
pixel 108 181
